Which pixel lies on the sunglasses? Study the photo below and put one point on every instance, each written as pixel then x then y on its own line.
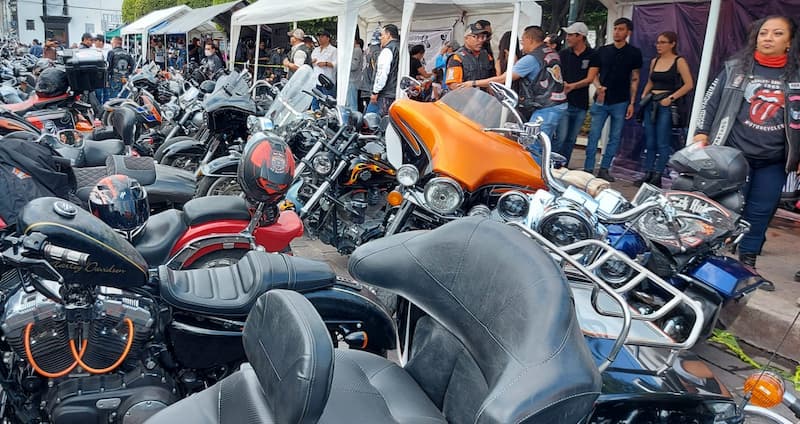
pixel 479 36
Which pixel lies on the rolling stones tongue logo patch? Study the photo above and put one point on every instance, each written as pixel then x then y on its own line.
pixel 766 105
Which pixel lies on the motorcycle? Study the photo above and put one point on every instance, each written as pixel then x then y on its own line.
pixel 91 336
pixel 675 234
pixel 451 158
pixel 467 356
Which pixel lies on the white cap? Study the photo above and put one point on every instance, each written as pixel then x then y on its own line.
pixel 297 33
pixel 577 28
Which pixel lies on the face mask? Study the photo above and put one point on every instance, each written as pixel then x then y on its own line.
pixel 180 46
pixel 209 53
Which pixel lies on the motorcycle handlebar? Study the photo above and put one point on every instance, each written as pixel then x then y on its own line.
pixel 63 254
pixel 634 213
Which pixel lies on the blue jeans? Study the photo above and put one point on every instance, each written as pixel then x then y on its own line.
pixel 568 129
pixel 551 116
pixel 762 194
pixel 352 96
pixel 657 139
pixel 315 102
pixel 599 113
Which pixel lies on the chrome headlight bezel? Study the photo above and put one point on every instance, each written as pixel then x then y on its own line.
pixel 447 186
pixel 564 208
pixel 322 164
pixel 508 210
pixel 409 173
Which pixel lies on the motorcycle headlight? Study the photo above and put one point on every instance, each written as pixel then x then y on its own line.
pixel 443 195
pixel 513 206
pixel 565 223
pixel 407 175
pixel 322 164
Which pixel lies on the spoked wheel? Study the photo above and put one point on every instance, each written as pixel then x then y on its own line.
pixel 225 257
pixel 218 186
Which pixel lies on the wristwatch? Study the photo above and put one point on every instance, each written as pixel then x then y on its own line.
pixel 474 83
pixel 671 99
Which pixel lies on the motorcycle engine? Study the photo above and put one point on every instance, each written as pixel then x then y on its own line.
pixel 360 220
pixel 130 393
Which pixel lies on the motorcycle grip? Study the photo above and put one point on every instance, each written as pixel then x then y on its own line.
pixel 63 254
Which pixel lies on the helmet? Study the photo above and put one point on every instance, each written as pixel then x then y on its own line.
pixel 711 170
pixel 121 202
pixel 41 65
pixel 52 82
pixel 266 168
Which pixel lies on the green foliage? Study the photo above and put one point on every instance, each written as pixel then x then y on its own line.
pixel 196 4
pixel 135 9
pixel 315 25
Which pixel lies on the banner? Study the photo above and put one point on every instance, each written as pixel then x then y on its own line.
pixel 433 40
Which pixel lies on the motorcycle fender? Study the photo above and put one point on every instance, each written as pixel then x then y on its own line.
pixel 729 277
pixel 183 147
pixel 352 307
pixel 221 167
pixel 276 237
pixel 202 239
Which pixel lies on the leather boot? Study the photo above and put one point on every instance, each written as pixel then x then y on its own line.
pixel 749 259
pixel 645 179
pixel 604 174
pixel 655 179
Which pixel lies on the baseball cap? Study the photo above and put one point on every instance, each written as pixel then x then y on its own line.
pixel 477 28
pixel 577 28
pixel 87 35
pixel 297 33
pixel 324 32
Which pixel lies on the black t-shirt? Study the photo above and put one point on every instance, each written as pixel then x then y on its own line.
pixel 616 66
pixel 760 128
pixel 575 68
pixel 415 65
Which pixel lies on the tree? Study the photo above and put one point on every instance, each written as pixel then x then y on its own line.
pixel 591 12
pixel 135 9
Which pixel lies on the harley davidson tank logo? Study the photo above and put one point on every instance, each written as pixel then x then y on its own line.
pixel 92 267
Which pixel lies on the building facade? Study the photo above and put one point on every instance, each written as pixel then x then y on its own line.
pixel 65 20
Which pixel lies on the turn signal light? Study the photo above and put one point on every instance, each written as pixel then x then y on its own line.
pixel 766 389
pixel 394 198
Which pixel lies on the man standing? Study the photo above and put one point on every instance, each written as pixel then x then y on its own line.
pixel 618 65
pixel 36 48
pixel 324 60
pixel 575 59
pixel 99 45
pixel 86 41
pixel 299 55
pixel 543 91
pixel 385 85
pixel 471 62
pixel 211 61
pixel 120 65
pixel 195 50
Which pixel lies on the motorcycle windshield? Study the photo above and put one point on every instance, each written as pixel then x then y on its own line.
pixel 475 105
pixel 292 102
pixel 231 91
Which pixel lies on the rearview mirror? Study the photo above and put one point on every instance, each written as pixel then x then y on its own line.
pixel 72 138
pixel 504 94
pixel 325 82
pixel 408 82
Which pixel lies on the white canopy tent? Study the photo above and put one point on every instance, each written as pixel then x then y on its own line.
pixel 143 25
pixel 624 8
pixel 427 14
pixel 197 19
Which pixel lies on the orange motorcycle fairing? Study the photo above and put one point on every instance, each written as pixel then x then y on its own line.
pixel 459 148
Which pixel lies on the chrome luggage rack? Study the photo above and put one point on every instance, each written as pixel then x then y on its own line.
pixel 602 295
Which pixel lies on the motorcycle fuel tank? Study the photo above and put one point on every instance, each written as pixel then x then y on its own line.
pixel 112 260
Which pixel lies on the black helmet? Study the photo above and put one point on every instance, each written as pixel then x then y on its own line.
pixel 52 82
pixel 712 170
pixel 121 202
pixel 41 65
pixel 266 168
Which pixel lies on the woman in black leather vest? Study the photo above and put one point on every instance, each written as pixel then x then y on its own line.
pixel 754 106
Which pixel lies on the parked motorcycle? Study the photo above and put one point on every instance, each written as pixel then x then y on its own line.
pixel 450 161
pixel 92 336
pixel 529 347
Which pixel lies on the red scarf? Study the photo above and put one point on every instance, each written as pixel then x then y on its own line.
pixel 771 61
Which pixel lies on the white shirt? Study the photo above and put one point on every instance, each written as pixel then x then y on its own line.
pixel 328 54
pixel 298 56
pixel 382 69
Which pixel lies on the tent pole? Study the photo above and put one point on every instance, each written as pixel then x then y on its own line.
pixel 255 59
pixel 705 66
pixel 513 47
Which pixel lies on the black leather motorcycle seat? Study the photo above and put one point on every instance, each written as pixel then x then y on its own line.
pixel 96 152
pixel 380 390
pixel 233 290
pixel 123 121
pixel 143 169
pixel 502 343
pixel 159 236
pixel 86 179
pixel 214 208
pixel 106 133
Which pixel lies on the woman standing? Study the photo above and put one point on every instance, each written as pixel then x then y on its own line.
pixel 754 106
pixel 670 79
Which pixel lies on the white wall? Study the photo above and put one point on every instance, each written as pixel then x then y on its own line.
pixel 81 12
